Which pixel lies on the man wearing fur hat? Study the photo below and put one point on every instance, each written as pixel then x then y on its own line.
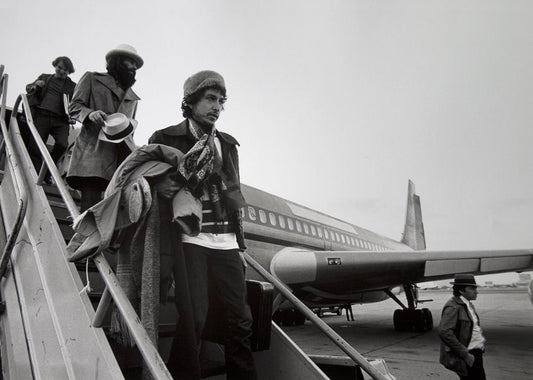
pixel 96 96
pixel 213 258
pixel 462 340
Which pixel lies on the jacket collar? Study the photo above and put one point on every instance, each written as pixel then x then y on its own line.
pixel 459 301
pixel 182 129
pixel 108 81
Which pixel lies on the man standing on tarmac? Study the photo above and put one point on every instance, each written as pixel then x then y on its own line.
pixel 213 260
pixel 462 341
pixel 97 95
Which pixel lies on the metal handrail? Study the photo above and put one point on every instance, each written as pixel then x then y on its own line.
pixel 20 184
pixel 150 354
pixel 322 326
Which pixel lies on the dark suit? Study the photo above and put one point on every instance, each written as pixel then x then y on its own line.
pixel 50 119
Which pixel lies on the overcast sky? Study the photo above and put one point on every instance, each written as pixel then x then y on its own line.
pixel 336 104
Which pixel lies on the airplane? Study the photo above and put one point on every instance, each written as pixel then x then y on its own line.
pixel 328 262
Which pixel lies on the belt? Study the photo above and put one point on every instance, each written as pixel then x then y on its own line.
pixel 218 228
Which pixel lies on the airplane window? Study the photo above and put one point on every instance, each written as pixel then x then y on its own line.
pixel 251 213
pixel 298 226
pixel 262 216
pixel 281 221
pixel 326 234
pixel 272 218
pixel 313 230
pixel 290 224
pixel 306 228
pixel 319 230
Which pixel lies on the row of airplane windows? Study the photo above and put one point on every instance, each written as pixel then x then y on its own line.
pixel 292 224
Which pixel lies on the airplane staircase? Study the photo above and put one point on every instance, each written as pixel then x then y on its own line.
pixel 53 327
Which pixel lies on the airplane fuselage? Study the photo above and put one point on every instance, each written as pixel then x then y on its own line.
pixel 273 226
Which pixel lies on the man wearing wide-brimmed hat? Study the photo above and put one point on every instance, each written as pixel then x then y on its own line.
pixel 462 340
pixel 214 265
pixel 98 95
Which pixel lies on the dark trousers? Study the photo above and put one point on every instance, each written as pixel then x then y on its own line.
pixel 476 372
pixel 48 124
pixel 221 273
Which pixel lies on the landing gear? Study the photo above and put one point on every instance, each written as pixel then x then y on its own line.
pixel 410 318
pixel 289 317
pixel 419 320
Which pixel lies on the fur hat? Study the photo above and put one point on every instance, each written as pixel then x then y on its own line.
pixel 202 79
pixel 464 279
pixel 128 51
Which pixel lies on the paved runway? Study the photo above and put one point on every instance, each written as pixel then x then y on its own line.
pixel 506 318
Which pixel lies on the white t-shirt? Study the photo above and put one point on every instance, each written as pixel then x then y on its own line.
pixel 477 340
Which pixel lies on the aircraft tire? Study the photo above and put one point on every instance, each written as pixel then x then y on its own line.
pixel 288 317
pixel 429 318
pixel 276 317
pixel 422 320
pixel 283 317
pixel 298 317
pixel 400 320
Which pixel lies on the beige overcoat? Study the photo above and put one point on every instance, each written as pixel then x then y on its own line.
pixel 92 158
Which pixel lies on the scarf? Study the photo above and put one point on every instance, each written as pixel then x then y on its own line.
pixel 138 268
pixel 203 165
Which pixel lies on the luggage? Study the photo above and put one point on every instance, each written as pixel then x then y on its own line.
pixel 260 298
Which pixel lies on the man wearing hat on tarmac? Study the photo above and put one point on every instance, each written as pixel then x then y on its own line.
pixel 101 145
pixel 213 259
pixel 462 340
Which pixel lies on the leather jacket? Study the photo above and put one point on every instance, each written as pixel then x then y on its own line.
pixel 180 137
pixel 455 331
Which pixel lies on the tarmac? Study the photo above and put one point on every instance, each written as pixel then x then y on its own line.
pixel 506 316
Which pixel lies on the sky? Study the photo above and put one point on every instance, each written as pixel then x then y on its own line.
pixel 335 104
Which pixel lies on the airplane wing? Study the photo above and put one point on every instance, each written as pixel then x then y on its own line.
pixel 371 270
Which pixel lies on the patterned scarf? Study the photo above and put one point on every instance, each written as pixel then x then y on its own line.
pixel 203 165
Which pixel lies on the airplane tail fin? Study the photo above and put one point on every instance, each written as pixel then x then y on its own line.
pixel 413 234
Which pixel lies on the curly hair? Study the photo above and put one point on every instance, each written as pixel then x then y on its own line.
pixel 66 61
pixel 195 97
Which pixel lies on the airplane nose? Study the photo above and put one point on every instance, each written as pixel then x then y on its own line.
pixel 292 265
